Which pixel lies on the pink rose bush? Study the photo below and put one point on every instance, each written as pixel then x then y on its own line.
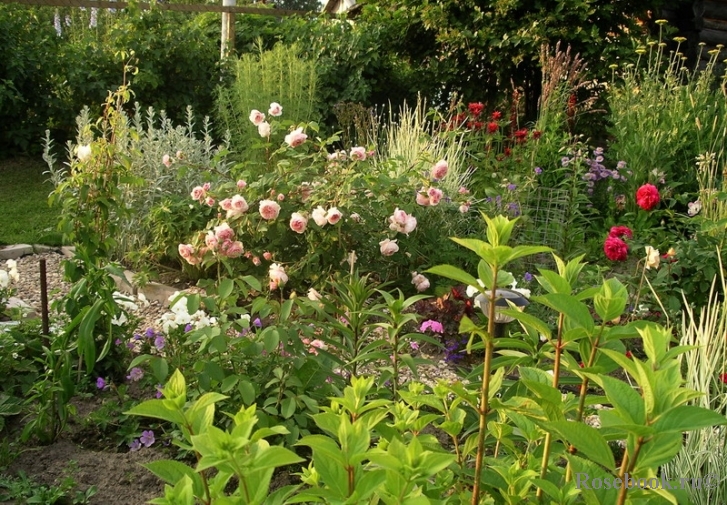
pixel 269 209
pixel 401 222
pixel 278 277
pixel 298 222
pixel 296 138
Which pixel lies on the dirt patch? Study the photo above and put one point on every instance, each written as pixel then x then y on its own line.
pixel 119 477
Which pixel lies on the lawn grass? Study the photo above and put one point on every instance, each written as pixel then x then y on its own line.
pixel 25 217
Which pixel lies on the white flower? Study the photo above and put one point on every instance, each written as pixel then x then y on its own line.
pixel 4 279
pixel 83 152
pixel 652 258
pixel 694 208
pixel 264 129
pixel 319 216
pixel 245 319
pixel 11 264
pixel 473 291
pixel 314 295
pixel 522 291
pixel 119 320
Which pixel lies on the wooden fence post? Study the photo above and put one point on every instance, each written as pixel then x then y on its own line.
pixel 228 30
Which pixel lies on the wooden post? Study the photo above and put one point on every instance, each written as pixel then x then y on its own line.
pixel 228 30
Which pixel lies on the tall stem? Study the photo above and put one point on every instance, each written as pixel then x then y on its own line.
pixel 485 393
pixel 629 467
pixel 556 378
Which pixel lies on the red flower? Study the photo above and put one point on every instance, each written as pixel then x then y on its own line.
pixel 492 127
pixel 476 108
pixel 647 196
pixel 615 249
pixel 479 125
pixel 723 378
pixel 537 134
pixel 521 135
pixel 508 151
pixel 620 232
pixel 629 355
pixel 496 115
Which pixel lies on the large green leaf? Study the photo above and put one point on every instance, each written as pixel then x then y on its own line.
pixel 454 273
pixel 158 410
pixel 623 397
pixel 172 472
pixel 586 439
pixel 688 418
pixel 86 335
pixel 575 310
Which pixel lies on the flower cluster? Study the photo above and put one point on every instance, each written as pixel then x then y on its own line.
pixel 145 440
pixel 180 316
pixel 420 282
pixel 615 246
pixel 6 278
pixel 597 171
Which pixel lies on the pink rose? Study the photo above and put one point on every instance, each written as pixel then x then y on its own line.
pixel 281 197
pixel 275 109
pixel 180 155
pixel 269 209
pixel 241 184
pixel 256 117
pixel 264 129
pixel 422 199
pixel 210 201
pixel 439 171
pixel 239 204
pixel 278 276
pixel 186 251
pixel 256 261
pixel 298 222
pixel 319 216
pixel 224 232
pixel 464 208
pixel 402 222
pixel 231 249
pixel 198 193
pixel 333 215
pixel 358 154
pixel 420 282
pixel 167 160
pixel 226 204
pixel 388 247
pixel 435 195
pixel 268 255
pixel 463 191
pixel 296 137
pixel 211 240
pixel 206 186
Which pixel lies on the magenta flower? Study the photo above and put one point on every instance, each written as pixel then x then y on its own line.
pixel 431 324
pixel 100 383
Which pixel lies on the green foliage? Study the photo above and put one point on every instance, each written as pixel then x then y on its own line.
pixel 22 489
pixel 279 75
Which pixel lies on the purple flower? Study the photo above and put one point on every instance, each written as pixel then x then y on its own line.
pixel 147 438
pixel 159 389
pixel 414 345
pixel 538 170
pixel 117 341
pixel 257 323
pixel 100 383
pixel 528 277
pixel 137 336
pixel 564 161
pixel 188 328
pixel 130 344
pixel 149 333
pixel 135 445
pixel 135 374
pixel 159 342
pixel 431 324
pixel 511 187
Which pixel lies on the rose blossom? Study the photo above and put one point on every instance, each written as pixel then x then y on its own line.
pixel 435 194
pixel 269 209
pixel 83 152
pixel 167 160
pixel 268 255
pixel 333 215
pixel 647 197
pixel 388 247
pixel 264 129
pixel 298 222
pixel 652 258
pixel 224 232
pixel 358 154
pixel 256 261
pixel 256 117
pixel 296 137
pixel 402 222
pixel 211 240
pixel 281 197
pixel 209 201
pixel 422 199
pixel 238 206
pixel 231 249
pixel 615 249
pixel 241 184
pixel 420 282
pixel 226 204
pixel 620 232
pixel 198 193
pixel 187 252
pixel 319 216
pixel 278 276
pixel 464 208
pixel 275 109
pixel 439 171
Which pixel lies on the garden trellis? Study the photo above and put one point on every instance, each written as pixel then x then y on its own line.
pixel 228 10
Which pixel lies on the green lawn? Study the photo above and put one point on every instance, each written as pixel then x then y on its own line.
pixel 25 217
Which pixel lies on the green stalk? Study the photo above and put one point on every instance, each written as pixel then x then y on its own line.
pixel 484 394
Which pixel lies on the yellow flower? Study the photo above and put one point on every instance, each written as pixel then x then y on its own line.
pixel 652 257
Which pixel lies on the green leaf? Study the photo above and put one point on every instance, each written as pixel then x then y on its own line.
pixel 576 311
pixel 158 410
pixel 86 336
pixel 553 283
pixel 271 339
pixel 160 368
pixel 586 439
pixel 172 472
pixel 275 456
pixel 225 289
pixel 688 418
pixel 623 398
pixel 454 273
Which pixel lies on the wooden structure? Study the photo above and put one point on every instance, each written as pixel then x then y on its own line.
pixel 703 23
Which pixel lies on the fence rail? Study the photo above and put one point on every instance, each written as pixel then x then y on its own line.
pixel 105 4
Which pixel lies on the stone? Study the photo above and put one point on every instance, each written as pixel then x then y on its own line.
pixel 158 292
pixel 15 251
pixel 68 251
pixel 14 303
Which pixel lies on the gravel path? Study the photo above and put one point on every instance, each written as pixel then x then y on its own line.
pixel 28 290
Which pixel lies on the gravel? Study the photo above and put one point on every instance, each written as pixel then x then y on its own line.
pixel 28 290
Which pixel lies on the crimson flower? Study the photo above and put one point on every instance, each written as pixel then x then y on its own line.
pixel 476 108
pixel 723 378
pixel 537 134
pixel 521 135
pixel 647 197
pixel 620 232
pixel 615 249
pixel 492 127
pixel 496 115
